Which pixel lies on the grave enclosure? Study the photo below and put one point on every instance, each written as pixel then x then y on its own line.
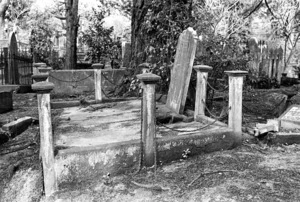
pixel 117 137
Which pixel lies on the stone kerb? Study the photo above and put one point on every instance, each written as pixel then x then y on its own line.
pixel 148 112
pixel 72 82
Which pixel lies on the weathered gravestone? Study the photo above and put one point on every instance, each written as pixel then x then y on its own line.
pixel 182 69
pixel 277 101
pixel 290 119
pixel 6 102
pixel 126 54
pixel 254 50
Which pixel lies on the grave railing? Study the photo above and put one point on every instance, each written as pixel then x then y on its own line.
pixel 235 97
pixel 148 119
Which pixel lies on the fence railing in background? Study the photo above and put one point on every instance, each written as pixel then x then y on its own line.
pixel 3 65
pixel 15 62
pixel 24 64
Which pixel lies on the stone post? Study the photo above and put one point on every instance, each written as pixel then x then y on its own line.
pixel 40 77
pixel 98 87
pixel 202 76
pixel 148 110
pixel 98 66
pixel 46 144
pixel 235 99
pixel 144 68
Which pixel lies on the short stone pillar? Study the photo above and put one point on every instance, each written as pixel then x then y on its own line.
pixel 235 99
pixel 40 77
pixel 98 66
pixel 144 68
pixel 202 76
pixel 43 90
pixel 98 87
pixel 148 115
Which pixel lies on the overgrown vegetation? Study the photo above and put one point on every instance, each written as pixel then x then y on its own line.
pixel 99 40
pixel 41 38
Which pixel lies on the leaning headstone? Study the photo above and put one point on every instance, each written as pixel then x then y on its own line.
pixel 126 54
pixel 182 69
pixel 290 119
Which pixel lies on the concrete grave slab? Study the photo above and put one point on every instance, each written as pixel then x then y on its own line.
pixel 105 138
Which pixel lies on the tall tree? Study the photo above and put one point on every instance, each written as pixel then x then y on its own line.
pixel 139 11
pixel 285 16
pixel 72 23
pixel 67 11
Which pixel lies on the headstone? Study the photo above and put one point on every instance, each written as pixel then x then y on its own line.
pixel 276 99
pixel 182 69
pixel 253 47
pixel 13 71
pixel 126 54
pixel 6 102
pixel 291 118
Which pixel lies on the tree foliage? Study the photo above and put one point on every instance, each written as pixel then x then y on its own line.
pixel 98 38
pixel 285 19
pixel 42 31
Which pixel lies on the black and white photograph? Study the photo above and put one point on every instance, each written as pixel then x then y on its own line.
pixel 149 100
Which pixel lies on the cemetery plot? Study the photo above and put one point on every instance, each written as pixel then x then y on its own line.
pixel 111 123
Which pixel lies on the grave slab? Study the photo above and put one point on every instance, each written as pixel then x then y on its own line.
pixel 105 138
pixel 290 119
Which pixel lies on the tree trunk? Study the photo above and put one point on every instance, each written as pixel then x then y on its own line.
pixel 72 20
pixel 138 41
pixel 3 8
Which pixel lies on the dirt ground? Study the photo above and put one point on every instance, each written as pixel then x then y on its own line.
pixel 254 171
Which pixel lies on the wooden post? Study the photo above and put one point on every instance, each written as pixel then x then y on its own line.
pixel 98 88
pixel 202 76
pixel 148 125
pixel 235 100
pixel 46 144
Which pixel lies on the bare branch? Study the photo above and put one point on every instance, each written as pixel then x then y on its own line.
pixel 60 17
pixel 254 9
pixel 23 12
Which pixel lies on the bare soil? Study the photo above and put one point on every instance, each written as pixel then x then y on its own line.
pixel 254 171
